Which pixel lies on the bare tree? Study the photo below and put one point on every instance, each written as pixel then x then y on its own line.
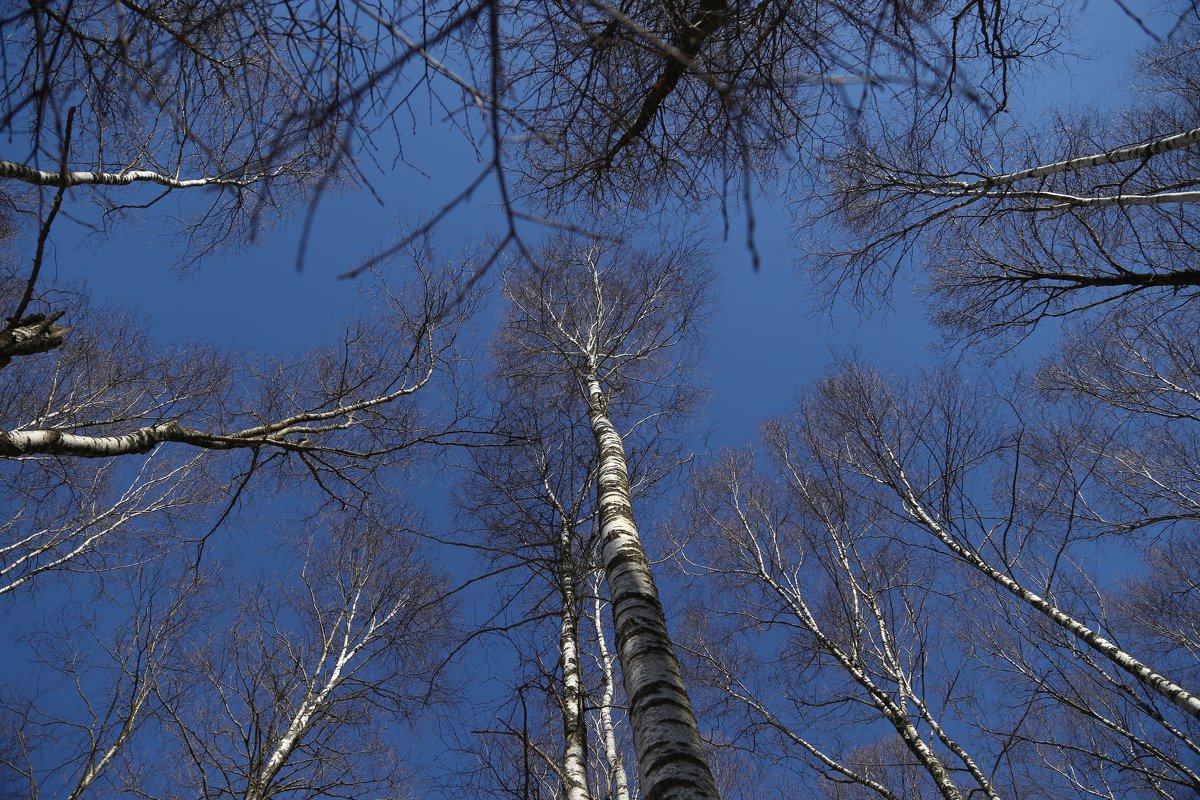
pixel 112 94
pixel 1006 503
pixel 101 666
pixel 923 552
pixel 873 432
pixel 616 778
pixel 69 513
pixel 606 325
pixel 536 501
pixel 293 697
pixel 648 100
pixel 88 428
pixel 815 581
pixel 1133 372
pixel 1013 228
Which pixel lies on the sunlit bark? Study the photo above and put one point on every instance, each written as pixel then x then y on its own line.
pixel 617 777
pixel 575 784
pixel 671 758
pixel 596 320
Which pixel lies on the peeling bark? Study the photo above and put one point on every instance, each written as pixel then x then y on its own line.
pixel 36 333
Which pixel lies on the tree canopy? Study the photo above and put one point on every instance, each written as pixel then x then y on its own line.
pixel 474 542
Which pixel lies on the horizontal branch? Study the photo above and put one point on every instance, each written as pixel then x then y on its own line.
pixel 1061 200
pixel 1174 279
pixel 39 177
pixel 290 433
pixel 1135 152
pixel 50 441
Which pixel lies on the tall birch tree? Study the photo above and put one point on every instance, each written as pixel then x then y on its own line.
pixel 825 590
pixel 919 591
pixel 533 497
pixel 609 325
pixel 1014 509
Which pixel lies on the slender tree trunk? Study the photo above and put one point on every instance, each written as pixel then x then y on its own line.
pixel 618 780
pixel 671 759
pixel 892 709
pixel 1150 678
pixel 574 726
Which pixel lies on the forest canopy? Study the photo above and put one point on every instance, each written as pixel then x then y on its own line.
pixel 471 539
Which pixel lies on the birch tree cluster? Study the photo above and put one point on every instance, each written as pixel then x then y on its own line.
pixel 474 543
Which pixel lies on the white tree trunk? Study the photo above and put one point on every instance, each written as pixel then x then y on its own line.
pixel 574 728
pixel 618 780
pixel 1148 677
pixel 671 758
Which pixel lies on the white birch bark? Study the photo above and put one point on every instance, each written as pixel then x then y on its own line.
pixel 1116 156
pixel 671 758
pixel 1146 675
pixel 143 671
pixel 1055 201
pixel 38 177
pixel 315 697
pixel 618 779
pixel 14 444
pixel 892 710
pixel 574 728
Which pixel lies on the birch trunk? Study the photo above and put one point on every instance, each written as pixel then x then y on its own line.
pixel 618 780
pixel 893 709
pixel 574 728
pixel 1146 675
pixel 671 759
